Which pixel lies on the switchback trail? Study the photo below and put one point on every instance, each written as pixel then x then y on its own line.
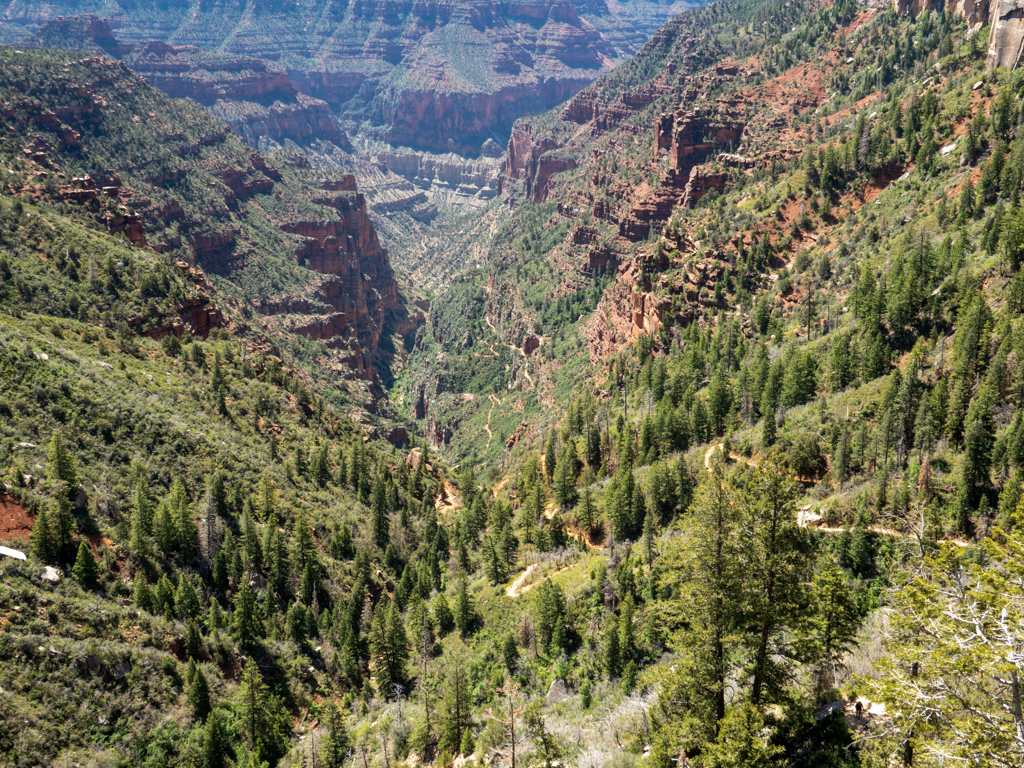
pixel 807 519
pixel 514 348
pixel 518 587
pixel 487 426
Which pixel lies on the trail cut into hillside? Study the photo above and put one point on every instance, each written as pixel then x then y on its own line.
pixel 519 586
pixel 805 518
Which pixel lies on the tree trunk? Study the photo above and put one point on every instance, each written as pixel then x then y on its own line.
pixel 1018 715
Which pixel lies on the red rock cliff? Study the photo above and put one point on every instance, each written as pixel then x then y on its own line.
pixel 357 300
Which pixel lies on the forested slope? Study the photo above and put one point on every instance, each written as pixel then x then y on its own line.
pixel 724 438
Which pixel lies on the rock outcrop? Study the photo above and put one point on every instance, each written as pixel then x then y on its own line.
pixel 460 122
pixel 187 72
pixel 357 299
pixel 1004 17
pixel 85 32
pixel 1006 40
pixel 534 162
pixel 257 101
pixel 467 178
pixel 702 181
pixel 186 185
pixel 691 136
pixel 688 137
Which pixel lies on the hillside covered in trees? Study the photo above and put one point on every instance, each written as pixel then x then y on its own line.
pixel 715 461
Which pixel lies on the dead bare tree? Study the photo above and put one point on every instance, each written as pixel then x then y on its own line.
pixel 510 716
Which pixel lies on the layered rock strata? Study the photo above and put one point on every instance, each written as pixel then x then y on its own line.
pixel 446 76
pixel 357 299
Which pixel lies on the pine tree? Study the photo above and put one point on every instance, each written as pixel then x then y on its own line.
pixel 303 546
pixel 774 553
pixel 744 740
pixel 979 439
pixel 186 601
pixel 251 545
pixel 260 717
pixel 165 531
pixel 163 598
pixel 711 604
pixel 510 654
pixel 61 465
pixel 468 746
pixel 193 639
pixel 267 499
pixel 63 527
pixel 216 617
pixel 587 515
pixel 456 703
pixel 308 587
pixel 42 539
pixel 199 694
pixel 834 621
pixel 684 486
pixel 142 595
pixel 463 607
pixel 379 514
pixel 549 457
pixel 143 505
pixel 861 556
pixel 295 623
pixel 621 514
pixel 649 538
pixel 245 621
pixel 443 615
pixel 138 543
pixel 768 420
pixel 841 458
pixel 930 651
pixel 335 743
pixel 507 548
pixel 551 617
pixel 548 749
pixel 342 467
pixel 388 647
pixel 564 485
pixel 321 470
pixel 214 753
pixel 277 561
pixel 85 570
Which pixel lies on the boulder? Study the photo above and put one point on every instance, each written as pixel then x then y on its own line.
pixel 828 709
pixel 398 436
pixel 558 691
pixel 257 581
pixel 51 574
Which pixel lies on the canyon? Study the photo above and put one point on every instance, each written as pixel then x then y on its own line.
pixel 415 122
pixel 289 249
pixel 434 76
pixel 431 90
pixel 697 140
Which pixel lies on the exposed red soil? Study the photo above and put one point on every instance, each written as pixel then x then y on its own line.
pixel 15 523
